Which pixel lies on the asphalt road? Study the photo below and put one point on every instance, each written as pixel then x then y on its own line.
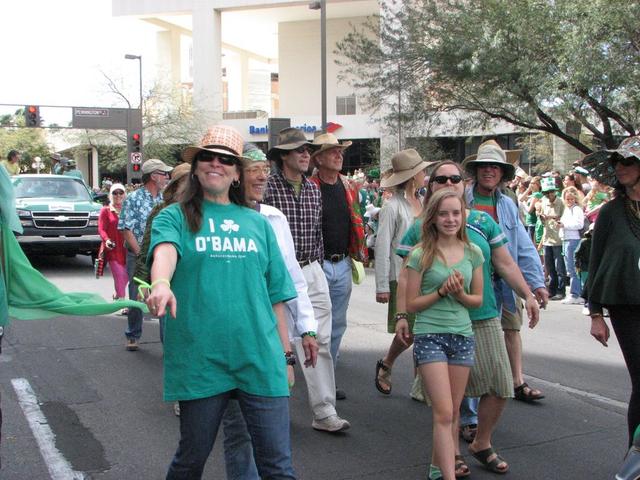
pixel 101 407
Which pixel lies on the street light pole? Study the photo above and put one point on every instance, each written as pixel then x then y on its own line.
pixel 138 126
pixel 322 6
pixel 139 58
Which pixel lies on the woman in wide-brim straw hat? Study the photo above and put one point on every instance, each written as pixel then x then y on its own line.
pixel 398 213
pixel 614 263
pixel 217 269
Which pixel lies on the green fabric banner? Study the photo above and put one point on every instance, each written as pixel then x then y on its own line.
pixel 25 294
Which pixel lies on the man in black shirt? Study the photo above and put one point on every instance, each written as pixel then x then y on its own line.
pixel 341 231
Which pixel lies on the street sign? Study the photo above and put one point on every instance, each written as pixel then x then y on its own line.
pixel 106 118
pixel 91 112
pixel 136 157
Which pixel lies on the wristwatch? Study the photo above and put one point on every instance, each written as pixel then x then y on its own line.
pixel 290 357
pixel 311 333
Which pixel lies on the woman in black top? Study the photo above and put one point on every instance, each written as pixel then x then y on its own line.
pixel 614 263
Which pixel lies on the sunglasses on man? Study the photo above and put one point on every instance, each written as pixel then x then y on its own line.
pixel 302 149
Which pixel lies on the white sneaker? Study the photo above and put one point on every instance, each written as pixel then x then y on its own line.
pixel 176 409
pixel 332 423
pixel 585 310
pixel 573 300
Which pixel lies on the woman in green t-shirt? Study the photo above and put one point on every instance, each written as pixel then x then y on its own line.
pixel 444 281
pixel 218 271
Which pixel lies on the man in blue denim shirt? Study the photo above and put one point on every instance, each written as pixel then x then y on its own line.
pixel 489 168
pixel 132 222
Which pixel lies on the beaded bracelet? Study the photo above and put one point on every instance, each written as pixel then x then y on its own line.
pixel 401 316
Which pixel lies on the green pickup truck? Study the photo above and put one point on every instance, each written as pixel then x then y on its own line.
pixel 59 215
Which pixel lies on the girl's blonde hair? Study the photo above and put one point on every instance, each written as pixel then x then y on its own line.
pixel 429 239
pixel 572 191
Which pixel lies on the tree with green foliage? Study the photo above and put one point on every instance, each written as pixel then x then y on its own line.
pixel 535 64
pixel 30 142
pixel 169 121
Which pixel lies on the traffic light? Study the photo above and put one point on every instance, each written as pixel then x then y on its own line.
pixel 135 167
pixel 135 141
pixel 32 116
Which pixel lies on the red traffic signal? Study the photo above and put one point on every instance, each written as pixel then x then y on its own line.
pixel 135 167
pixel 136 139
pixel 32 116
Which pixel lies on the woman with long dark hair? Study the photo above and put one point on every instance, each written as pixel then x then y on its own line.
pixel 614 262
pixel 217 270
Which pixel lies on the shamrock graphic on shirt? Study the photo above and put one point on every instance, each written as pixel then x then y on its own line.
pixel 229 226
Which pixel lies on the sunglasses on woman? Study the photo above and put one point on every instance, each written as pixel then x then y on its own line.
pixel 442 179
pixel 626 161
pixel 226 160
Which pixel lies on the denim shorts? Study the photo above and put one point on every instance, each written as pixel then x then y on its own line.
pixel 444 347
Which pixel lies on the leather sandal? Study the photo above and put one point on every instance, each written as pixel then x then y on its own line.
pixel 383 374
pixel 461 467
pixel 525 393
pixel 492 465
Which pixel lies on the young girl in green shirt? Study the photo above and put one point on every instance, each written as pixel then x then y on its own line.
pixel 444 280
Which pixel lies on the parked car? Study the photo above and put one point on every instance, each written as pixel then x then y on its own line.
pixel 59 215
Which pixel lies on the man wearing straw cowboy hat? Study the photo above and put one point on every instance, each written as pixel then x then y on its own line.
pixel 489 168
pixel 299 199
pixel 342 231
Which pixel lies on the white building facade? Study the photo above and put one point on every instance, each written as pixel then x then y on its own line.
pixel 247 60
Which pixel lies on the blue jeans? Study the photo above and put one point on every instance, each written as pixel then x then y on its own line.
pixel 238 451
pixel 267 420
pixel 339 279
pixel 469 411
pixel 569 249
pixel 134 317
pixel 555 269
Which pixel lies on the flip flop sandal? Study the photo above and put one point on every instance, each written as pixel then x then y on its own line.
pixel 462 469
pixel 525 393
pixel 468 432
pixel 383 373
pixel 483 455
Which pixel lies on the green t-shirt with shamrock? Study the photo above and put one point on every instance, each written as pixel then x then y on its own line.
pixel 228 276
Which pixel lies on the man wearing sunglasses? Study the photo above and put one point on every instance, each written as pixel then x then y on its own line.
pixel 291 192
pixel 489 169
pixel 132 223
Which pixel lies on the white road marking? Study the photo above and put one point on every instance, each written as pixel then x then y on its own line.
pixel 585 394
pixel 59 468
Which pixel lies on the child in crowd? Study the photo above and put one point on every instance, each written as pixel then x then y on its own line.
pixel 581 258
pixel 444 280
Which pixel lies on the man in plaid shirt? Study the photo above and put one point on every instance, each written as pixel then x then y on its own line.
pixel 299 199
